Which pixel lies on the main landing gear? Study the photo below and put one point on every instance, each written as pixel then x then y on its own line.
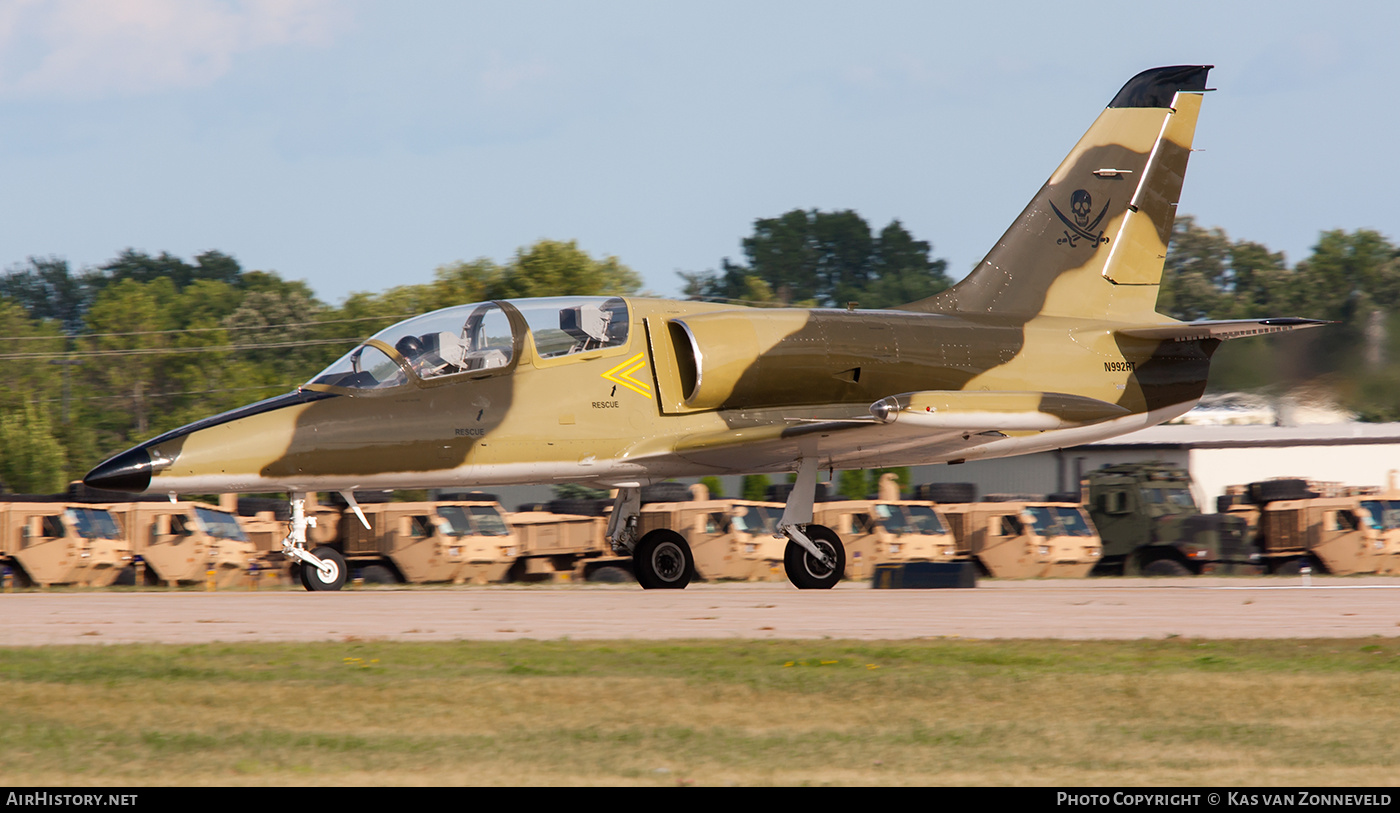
pixel 814 557
pixel 819 571
pixel 661 559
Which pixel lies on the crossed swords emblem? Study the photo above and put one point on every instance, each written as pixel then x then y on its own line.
pixel 1079 228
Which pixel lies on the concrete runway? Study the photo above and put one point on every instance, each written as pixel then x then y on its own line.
pixel 1071 609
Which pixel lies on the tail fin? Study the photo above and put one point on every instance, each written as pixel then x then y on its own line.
pixel 1094 238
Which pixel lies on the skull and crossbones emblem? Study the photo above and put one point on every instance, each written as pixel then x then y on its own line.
pixel 1081 205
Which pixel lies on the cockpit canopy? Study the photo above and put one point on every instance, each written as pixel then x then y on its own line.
pixel 479 338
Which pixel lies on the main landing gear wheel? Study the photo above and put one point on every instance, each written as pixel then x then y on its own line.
pixel 662 561
pixel 317 580
pixel 805 571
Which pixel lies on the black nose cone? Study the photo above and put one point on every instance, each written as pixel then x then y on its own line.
pixel 128 471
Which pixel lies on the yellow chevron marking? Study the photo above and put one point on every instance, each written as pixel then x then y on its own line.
pixel 622 374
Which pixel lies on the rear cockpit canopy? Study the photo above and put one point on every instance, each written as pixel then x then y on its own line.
pixel 482 338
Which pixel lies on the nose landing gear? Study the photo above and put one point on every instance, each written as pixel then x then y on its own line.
pixel 322 570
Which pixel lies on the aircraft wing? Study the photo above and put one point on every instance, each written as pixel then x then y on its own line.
pixel 1219 328
pixel 938 423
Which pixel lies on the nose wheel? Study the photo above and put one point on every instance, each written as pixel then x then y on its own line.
pixel 662 561
pixel 329 576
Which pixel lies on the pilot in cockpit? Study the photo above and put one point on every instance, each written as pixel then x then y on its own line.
pixel 433 354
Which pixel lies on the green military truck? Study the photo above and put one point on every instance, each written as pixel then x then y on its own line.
pixel 1151 526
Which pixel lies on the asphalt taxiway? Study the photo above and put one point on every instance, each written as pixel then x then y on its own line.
pixel 1069 609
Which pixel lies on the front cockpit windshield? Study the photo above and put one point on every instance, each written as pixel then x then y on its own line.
pixel 478 338
pixel 93 523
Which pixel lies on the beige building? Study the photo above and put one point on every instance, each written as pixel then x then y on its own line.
pixel 1216 457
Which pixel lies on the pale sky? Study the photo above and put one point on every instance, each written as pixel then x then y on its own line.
pixel 358 145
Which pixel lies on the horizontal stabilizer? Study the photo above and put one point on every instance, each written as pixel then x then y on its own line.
pixel 1221 329
pixel 994 411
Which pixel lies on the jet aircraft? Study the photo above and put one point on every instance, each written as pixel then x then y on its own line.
pixel 1052 340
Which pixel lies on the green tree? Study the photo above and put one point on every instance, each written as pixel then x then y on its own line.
pixel 26 347
pixel 900 472
pixel 288 333
pixel 31 458
pixel 214 266
pixel 828 258
pixel 130 320
pixel 461 283
pixel 754 487
pixel 554 268
pixel 1196 274
pixel 853 484
pixel 715 486
pixel 48 290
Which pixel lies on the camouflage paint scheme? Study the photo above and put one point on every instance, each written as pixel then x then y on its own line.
pixel 1053 340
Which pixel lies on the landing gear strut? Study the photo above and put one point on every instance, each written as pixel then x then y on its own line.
pixel 814 559
pixel 661 560
pixel 321 570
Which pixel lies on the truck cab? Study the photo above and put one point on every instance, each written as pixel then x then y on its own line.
pixel 1026 539
pixel 45 542
pixel 1150 525
pixel 183 542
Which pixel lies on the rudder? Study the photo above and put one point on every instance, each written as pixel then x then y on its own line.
pixel 1093 240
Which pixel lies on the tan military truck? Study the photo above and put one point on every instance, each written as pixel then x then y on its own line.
pixel 185 542
pixel 1014 539
pixel 1026 540
pixel 1382 512
pixel 888 530
pixel 459 541
pixel 558 546
pixel 46 542
pixel 1294 527
pixel 465 538
pixel 729 539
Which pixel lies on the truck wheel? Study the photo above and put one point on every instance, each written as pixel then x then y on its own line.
pixel 1165 567
pixel 1289 567
pixel 317 581
pixel 609 574
pixel 378 574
